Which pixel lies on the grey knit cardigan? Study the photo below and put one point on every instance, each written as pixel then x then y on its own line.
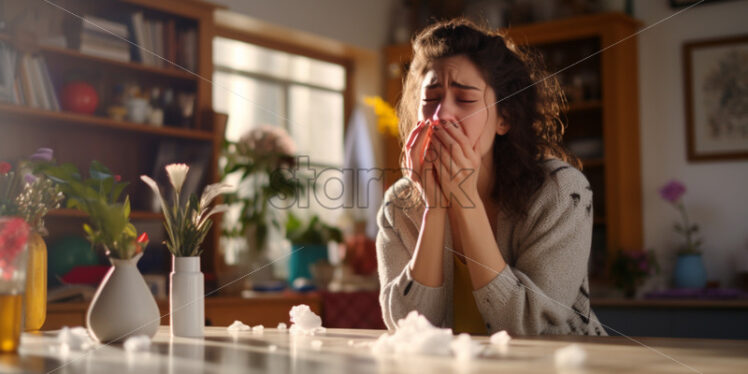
pixel 543 290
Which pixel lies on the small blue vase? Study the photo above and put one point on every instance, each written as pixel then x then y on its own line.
pixel 689 272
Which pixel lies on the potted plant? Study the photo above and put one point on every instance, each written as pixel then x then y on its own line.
pixel 689 267
pixel 263 167
pixel 254 163
pixel 308 244
pixel 28 194
pixel 186 225
pixel 630 268
pixel 123 305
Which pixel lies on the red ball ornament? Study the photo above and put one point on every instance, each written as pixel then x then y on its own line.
pixel 80 97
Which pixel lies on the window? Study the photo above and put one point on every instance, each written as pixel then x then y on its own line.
pixel 258 86
pixel 305 96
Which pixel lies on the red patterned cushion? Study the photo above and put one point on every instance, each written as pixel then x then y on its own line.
pixel 353 310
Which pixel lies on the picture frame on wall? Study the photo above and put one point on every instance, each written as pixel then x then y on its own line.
pixel 716 98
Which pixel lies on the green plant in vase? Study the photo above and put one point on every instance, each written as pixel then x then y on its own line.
pixel 98 196
pixel 187 224
pixel 123 305
pixel 309 244
pixel 260 164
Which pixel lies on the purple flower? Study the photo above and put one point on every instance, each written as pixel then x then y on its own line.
pixel 30 178
pixel 42 154
pixel 643 265
pixel 672 191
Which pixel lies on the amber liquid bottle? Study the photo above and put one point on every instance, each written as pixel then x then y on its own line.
pixel 11 321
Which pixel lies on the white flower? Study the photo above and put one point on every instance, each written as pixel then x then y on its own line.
pixel 212 191
pixel 177 175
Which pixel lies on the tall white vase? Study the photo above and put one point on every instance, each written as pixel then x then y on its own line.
pixel 123 305
pixel 186 297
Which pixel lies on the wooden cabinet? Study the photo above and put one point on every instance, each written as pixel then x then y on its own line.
pixel 176 30
pixel 602 117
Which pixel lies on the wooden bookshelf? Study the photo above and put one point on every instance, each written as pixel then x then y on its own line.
pixel 172 72
pixel 43 117
pixel 585 105
pixel 129 149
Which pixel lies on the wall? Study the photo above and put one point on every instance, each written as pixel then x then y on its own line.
pixel 716 195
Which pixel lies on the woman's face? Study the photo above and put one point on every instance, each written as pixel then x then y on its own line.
pixel 454 90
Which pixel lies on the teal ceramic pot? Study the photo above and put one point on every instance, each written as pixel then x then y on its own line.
pixel 690 272
pixel 302 258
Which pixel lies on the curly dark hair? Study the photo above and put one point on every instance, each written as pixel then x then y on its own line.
pixel 528 99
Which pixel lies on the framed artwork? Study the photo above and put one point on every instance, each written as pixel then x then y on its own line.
pixel 716 98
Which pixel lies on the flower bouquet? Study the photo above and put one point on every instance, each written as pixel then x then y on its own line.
pixel 26 193
pixel 630 268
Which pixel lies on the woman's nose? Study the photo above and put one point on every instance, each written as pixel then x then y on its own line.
pixel 443 113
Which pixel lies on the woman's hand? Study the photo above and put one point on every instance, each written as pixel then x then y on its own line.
pixel 458 165
pixel 420 158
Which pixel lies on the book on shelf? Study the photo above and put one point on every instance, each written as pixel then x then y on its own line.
pixel 104 38
pixel 25 80
pixel 8 88
pixel 161 43
pixel 34 85
pixel 104 26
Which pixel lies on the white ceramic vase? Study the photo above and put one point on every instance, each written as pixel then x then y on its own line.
pixel 186 297
pixel 123 305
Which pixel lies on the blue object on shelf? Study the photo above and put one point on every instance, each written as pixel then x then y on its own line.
pixel 303 256
pixel 689 272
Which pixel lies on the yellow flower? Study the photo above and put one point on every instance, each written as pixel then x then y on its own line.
pixel 387 121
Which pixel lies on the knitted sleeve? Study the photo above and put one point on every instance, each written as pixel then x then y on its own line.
pixel 552 247
pixel 399 292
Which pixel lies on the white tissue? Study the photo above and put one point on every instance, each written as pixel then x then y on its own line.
pixel 237 326
pixel 414 335
pixel 139 343
pixel 75 339
pixel 304 321
pixel 282 326
pixel 317 344
pixel 464 348
pixel 500 338
pixel 258 329
pixel 570 357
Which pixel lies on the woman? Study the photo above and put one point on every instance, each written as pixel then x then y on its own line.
pixel 490 228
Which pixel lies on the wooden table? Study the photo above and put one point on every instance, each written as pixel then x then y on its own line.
pixel 265 308
pixel 347 351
